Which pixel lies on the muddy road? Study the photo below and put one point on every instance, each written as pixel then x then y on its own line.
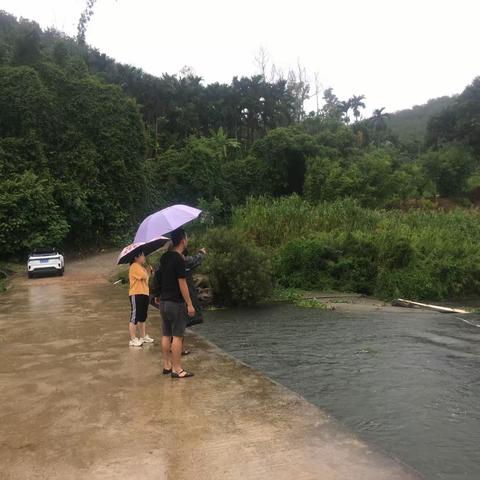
pixel 78 403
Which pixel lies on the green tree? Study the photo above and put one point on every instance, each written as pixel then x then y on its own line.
pixel 284 152
pixel 333 108
pixel 449 168
pixel 24 102
pixel 379 118
pixel 29 216
pixel 27 44
pixel 459 122
pixel 372 178
pixel 195 170
pixel 357 103
pixel 326 179
pixel 378 123
pixel 83 21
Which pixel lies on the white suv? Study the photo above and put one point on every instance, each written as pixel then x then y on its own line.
pixel 45 260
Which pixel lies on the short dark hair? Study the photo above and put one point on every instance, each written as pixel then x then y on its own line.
pixel 138 254
pixel 177 236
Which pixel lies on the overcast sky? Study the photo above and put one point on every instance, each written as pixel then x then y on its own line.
pixel 397 53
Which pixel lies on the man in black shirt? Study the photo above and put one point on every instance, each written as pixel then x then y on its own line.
pixel 175 304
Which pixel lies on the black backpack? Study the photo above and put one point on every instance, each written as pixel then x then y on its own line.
pixel 156 282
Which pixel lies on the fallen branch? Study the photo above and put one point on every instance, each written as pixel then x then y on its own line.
pixel 400 302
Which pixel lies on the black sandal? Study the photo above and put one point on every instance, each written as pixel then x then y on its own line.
pixel 178 375
pixel 167 371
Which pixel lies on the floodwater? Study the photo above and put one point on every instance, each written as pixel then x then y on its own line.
pixel 406 382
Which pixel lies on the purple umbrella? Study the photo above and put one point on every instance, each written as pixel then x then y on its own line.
pixel 165 221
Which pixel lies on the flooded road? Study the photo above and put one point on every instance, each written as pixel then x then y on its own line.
pixel 407 382
pixel 78 403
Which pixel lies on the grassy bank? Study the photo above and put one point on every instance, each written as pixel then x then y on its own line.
pixel 418 254
pixel 7 270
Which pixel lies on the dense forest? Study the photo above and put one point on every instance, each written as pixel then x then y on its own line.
pixel 89 146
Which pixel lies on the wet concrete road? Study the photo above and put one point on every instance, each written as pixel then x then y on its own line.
pixel 78 403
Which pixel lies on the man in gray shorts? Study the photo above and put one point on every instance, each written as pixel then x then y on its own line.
pixel 175 301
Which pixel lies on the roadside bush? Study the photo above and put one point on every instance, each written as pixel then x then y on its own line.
pixel 240 273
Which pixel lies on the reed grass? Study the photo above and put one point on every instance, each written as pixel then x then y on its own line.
pixel 420 254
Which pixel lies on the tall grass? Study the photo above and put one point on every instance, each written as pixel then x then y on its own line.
pixel 272 222
pixel 420 254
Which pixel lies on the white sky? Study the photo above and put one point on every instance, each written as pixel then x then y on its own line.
pixel 397 53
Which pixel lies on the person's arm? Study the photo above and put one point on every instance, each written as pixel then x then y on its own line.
pixel 194 261
pixel 182 282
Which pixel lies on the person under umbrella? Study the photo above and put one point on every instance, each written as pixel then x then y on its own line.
pixel 191 262
pixel 175 305
pixel 138 275
pixel 138 293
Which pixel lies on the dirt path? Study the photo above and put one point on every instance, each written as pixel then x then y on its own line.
pixel 78 403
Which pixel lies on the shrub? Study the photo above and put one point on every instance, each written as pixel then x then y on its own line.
pixel 329 261
pixel 239 272
pixel 396 251
pixel 307 263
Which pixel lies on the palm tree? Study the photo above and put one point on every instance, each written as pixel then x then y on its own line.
pixel 346 106
pixel 378 119
pixel 223 143
pixel 356 103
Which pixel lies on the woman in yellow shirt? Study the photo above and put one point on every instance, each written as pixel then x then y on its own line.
pixel 139 300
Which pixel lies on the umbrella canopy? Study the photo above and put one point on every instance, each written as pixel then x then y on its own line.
pixel 165 221
pixel 129 253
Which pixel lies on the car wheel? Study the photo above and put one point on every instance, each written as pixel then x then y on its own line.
pixel 62 271
pixel 30 274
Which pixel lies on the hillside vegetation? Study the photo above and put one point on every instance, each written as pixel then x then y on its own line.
pixel 410 125
pixel 89 146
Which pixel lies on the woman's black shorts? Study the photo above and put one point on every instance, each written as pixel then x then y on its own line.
pixel 139 304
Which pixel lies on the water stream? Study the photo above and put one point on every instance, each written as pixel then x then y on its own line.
pixel 408 383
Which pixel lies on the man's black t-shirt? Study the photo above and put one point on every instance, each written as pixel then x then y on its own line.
pixel 172 267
